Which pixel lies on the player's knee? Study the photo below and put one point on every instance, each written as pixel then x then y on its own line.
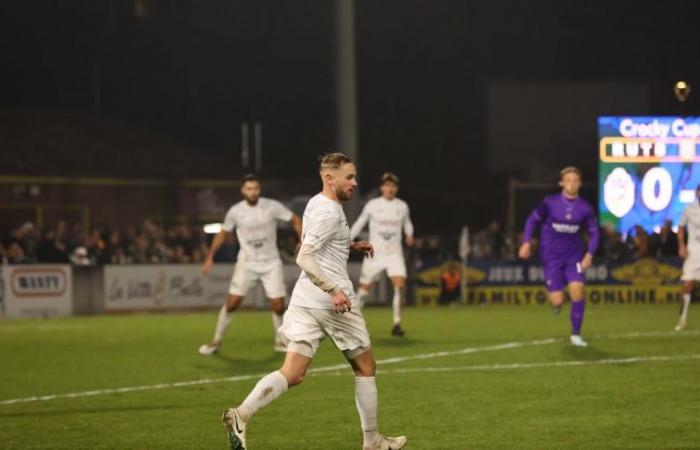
pixel 277 306
pixel 294 374
pixel 294 379
pixel 362 361
pixel 687 287
pixel 233 302
pixel 556 299
pixel 367 370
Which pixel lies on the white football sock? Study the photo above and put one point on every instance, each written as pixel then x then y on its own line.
pixel 222 324
pixel 362 295
pixel 366 402
pixel 277 320
pixel 396 303
pixel 684 308
pixel 270 387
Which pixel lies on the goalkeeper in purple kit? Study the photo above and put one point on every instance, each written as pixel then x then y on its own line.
pixel 564 258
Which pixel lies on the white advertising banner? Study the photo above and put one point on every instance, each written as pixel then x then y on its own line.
pixel 37 290
pixel 154 287
pixel 176 286
pixel 166 287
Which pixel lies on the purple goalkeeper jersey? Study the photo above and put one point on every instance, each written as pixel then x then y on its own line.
pixel 562 220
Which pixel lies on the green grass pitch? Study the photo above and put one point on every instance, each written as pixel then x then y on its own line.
pixel 637 385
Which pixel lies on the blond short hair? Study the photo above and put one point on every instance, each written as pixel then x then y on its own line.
pixel 570 169
pixel 332 161
pixel 390 177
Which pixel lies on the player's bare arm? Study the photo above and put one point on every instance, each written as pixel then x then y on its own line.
pixel 586 262
pixel 682 247
pixel 410 241
pixel 363 247
pixel 296 224
pixel 525 250
pixel 408 229
pixel 216 244
pixel 307 263
pixel 341 302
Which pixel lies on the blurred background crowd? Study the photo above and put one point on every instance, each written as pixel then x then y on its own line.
pixel 150 242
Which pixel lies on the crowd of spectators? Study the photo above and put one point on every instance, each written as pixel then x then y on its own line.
pixel 494 243
pixel 181 243
pixel 147 243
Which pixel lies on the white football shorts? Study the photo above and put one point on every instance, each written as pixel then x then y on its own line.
pixel 348 331
pixel 372 267
pixel 270 273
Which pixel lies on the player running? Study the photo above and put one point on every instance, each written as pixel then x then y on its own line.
pixel 389 220
pixel 255 220
pixel 561 250
pixel 323 304
pixel 690 252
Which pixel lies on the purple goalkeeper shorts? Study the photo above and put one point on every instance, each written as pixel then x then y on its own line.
pixel 560 272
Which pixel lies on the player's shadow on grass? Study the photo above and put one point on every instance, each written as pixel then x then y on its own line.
pixel 590 353
pixel 244 364
pixel 393 341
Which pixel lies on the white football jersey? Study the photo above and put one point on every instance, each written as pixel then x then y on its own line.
pixel 325 228
pixel 691 221
pixel 256 228
pixel 388 221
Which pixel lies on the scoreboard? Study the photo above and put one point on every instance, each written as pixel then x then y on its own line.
pixel 649 170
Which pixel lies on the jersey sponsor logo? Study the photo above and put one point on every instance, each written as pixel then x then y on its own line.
pixel 387 235
pixel 256 243
pixel 39 282
pixel 565 227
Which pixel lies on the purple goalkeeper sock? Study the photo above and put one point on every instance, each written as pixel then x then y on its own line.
pixel 576 315
pixel 577 308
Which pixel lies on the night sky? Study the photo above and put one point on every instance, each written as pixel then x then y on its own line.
pixel 193 71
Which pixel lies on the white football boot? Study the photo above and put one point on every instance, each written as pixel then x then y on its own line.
pixel 387 443
pixel 235 426
pixel 681 325
pixel 209 349
pixel 577 341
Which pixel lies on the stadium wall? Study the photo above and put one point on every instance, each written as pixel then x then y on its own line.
pixel 63 290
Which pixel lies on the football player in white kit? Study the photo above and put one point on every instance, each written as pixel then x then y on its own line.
pixel 255 221
pixel 389 220
pixel 690 252
pixel 323 304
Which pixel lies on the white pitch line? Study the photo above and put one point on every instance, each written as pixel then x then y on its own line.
pixel 337 367
pixel 149 387
pixel 637 334
pixel 609 361
pixel 464 351
pixel 322 369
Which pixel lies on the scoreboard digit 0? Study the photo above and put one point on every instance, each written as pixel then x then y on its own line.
pixel 649 170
